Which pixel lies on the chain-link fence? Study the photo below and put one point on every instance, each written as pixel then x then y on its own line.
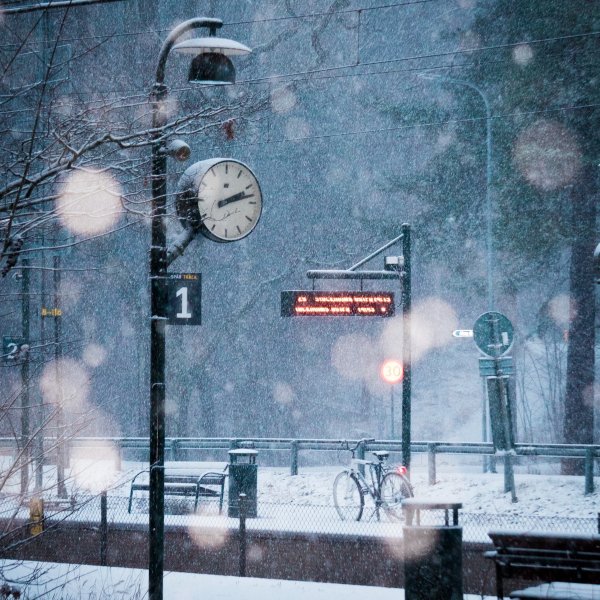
pixel 304 503
pixel 300 517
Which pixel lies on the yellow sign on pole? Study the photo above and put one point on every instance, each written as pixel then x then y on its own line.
pixel 51 312
pixel 36 516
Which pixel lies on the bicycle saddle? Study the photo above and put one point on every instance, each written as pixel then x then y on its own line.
pixel 381 454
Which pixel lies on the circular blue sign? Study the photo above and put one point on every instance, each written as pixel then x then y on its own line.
pixel 493 333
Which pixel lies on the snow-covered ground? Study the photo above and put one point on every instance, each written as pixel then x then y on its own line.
pixel 70 582
pixel 304 502
pixel 537 495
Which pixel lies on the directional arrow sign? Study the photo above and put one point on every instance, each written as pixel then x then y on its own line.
pixel 493 333
pixel 462 333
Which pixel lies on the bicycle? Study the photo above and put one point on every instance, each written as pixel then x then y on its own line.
pixel 387 488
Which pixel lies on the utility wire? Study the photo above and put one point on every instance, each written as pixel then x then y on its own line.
pixel 67 3
pixel 325 70
pixel 52 5
pixel 382 130
pixel 432 55
pixel 56 4
pixel 296 76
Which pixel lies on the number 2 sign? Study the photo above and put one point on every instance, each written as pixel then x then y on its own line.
pixel 12 348
pixel 184 291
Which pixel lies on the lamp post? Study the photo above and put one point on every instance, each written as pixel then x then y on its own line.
pixel 392 372
pixel 488 185
pixel 488 213
pixel 211 66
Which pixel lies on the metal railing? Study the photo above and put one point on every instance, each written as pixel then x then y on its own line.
pixel 175 447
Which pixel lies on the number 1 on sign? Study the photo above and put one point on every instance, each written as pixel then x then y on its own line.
pixel 185 313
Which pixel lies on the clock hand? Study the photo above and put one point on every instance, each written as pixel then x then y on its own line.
pixel 234 198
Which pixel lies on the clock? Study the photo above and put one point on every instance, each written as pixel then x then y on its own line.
pixel 221 198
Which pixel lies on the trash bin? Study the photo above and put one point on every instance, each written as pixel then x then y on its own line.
pixel 432 551
pixel 242 479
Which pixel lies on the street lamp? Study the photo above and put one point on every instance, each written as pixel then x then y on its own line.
pixel 211 65
pixel 488 186
pixel 488 212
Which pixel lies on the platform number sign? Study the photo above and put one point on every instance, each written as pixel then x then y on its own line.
pixel 12 348
pixel 184 292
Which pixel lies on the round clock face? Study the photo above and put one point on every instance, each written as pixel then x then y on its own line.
pixel 229 201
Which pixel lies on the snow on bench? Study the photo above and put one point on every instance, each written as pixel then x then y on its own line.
pixel 185 480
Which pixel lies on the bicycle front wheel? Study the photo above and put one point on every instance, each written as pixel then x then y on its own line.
pixel 347 497
pixel 394 489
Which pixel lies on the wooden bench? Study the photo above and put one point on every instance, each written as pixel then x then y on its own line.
pixel 181 483
pixel 553 558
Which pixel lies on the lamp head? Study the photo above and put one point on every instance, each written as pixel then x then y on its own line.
pixel 211 64
pixel 211 68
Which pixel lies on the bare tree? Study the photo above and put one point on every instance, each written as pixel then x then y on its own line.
pixel 77 170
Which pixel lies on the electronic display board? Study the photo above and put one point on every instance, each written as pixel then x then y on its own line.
pixel 336 304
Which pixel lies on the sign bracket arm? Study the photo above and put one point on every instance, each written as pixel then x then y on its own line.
pixel 365 260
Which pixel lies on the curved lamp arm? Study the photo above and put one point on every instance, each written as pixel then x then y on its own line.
pixel 196 23
pixel 488 188
pixel 159 89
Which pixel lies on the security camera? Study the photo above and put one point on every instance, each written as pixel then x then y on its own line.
pixel 597 263
pixel 177 149
pixel 393 263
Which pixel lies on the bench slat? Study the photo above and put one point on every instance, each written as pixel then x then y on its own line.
pixel 558 591
pixel 546 557
pixel 588 543
pixel 182 484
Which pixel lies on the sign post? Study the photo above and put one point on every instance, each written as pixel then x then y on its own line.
pixel 397 268
pixel 392 372
pixel 493 334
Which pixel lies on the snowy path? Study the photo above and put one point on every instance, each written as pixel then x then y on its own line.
pixel 71 582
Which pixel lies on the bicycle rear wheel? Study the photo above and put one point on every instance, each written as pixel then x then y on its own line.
pixel 394 489
pixel 347 497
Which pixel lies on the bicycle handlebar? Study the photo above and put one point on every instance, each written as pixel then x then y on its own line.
pixel 363 441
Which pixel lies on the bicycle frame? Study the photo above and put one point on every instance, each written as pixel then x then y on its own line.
pixel 386 485
pixel 376 472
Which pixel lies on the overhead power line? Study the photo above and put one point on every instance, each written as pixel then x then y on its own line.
pixel 51 4
pixel 423 56
pixel 382 130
